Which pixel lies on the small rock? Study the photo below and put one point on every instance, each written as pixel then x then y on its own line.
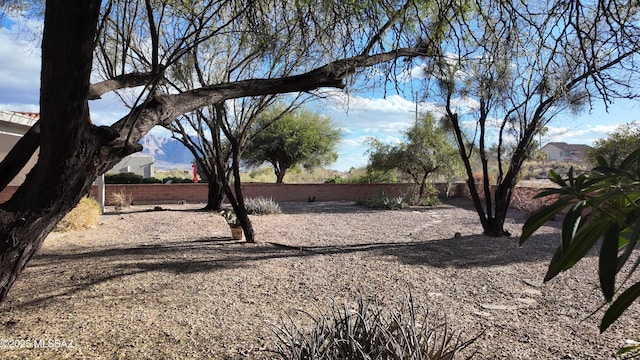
pixel 498 307
pixel 534 283
pixel 483 314
pixel 527 301
pixel 457 235
pixel 532 292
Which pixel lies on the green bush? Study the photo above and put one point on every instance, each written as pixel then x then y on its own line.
pixel 150 181
pixel 383 201
pixel 176 180
pixel 371 332
pixel 123 178
pixel 337 179
pixel 429 196
pixel 261 206
pixel 364 176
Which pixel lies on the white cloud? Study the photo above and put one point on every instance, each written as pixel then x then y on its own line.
pixel 19 70
pixel 356 142
pixel 465 105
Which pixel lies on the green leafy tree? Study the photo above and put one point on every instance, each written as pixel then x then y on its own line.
pixel 298 138
pixel 508 70
pixel 623 141
pixel 427 151
pixel 603 203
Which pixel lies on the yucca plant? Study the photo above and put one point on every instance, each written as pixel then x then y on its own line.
pixel 370 331
pixel 261 206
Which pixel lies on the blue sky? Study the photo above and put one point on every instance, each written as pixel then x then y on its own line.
pixel 360 114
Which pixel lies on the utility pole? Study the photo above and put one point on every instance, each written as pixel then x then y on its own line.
pixel 416 111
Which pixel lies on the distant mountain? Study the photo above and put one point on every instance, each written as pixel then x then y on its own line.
pixel 169 153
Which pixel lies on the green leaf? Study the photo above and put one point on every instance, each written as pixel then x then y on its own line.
pixel 540 217
pixel 582 243
pixel 602 162
pixel 630 242
pixel 571 178
pixel 627 349
pixel 553 176
pixel 549 191
pixel 607 262
pixel 571 223
pixel 619 306
pixel 630 160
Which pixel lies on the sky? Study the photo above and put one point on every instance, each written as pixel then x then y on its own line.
pixel 360 115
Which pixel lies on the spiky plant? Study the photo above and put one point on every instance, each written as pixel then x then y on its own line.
pixel 370 331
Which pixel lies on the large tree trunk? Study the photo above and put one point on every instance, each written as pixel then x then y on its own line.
pixel 215 195
pixel 69 145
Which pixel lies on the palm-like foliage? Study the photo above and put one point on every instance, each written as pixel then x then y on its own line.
pixel 603 203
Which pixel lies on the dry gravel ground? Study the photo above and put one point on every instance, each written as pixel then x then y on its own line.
pixel 171 285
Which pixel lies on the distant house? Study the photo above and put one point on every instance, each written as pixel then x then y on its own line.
pixel 14 124
pixel 563 152
pixel 138 164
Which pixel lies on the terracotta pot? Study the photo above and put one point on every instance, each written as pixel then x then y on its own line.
pixel 236 232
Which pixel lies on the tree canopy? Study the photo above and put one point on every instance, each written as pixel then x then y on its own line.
pixel 291 139
pixel 622 142
pixel 427 150
pixel 507 68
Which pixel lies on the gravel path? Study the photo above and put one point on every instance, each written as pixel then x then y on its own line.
pixel 170 284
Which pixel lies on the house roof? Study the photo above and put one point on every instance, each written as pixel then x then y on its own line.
pixel 572 148
pixel 17 123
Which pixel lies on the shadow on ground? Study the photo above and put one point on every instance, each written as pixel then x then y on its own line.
pixel 79 271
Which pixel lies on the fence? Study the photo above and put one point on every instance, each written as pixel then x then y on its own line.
pixel 149 194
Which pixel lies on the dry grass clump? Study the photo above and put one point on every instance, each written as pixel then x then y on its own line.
pixel 84 216
pixel 121 199
pixel 524 200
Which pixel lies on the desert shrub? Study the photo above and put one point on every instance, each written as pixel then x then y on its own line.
pixel 123 178
pixel 362 176
pixel 383 201
pixel 371 176
pixel 121 199
pixel 83 216
pixel 525 200
pixel 151 180
pixel 261 206
pixel 428 198
pixel 176 180
pixel 370 331
pixel 336 179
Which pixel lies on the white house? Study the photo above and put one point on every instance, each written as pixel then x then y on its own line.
pixel 138 164
pixel 563 152
pixel 13 125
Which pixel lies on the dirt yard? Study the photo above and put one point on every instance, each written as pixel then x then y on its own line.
pixel 172 285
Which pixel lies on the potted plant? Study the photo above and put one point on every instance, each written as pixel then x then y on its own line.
pixel 234 223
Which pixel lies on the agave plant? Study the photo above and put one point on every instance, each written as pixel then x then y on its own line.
pixel 369 331
pixel 230 216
